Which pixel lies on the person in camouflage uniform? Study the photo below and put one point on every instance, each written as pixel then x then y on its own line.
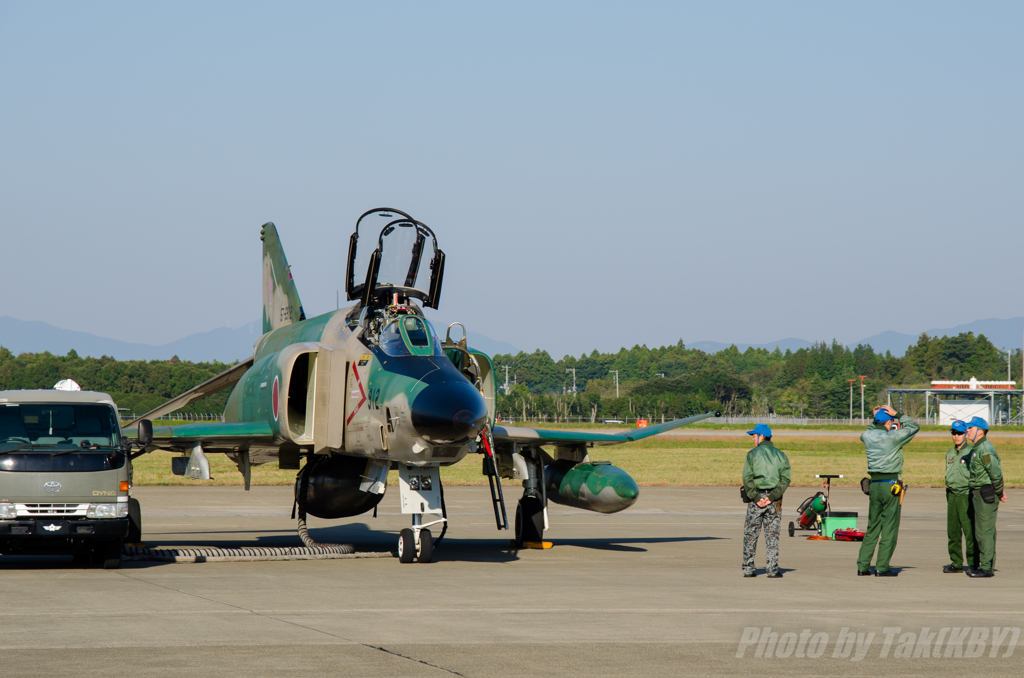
pixel 766 475
pixel 986 485
pixel 959 513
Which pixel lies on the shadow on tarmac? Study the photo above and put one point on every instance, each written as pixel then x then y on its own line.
pixel 498 549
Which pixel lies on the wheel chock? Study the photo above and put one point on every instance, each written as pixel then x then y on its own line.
pixel 538 544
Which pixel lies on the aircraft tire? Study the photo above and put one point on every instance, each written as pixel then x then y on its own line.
pixel 134 521
pixel 406 546
pixel 529 520
pixel 426 550
pixel 792 529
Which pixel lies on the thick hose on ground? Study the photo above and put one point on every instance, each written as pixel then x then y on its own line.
pixel 241 555
pixel 303 531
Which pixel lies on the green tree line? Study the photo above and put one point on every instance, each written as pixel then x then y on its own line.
pixel 675 381
pixel 670 381
pixel 137 385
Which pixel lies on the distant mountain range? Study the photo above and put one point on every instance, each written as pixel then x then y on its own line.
pixel 225 344
pixel 1008 333
pixel 231 344
pixel 1003 333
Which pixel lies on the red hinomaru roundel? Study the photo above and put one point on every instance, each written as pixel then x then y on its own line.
pixel 274 398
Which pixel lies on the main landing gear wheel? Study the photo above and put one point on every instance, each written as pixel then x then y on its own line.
pixel 529 520
pixel 426 547
pixel 792 528
pixel 406 546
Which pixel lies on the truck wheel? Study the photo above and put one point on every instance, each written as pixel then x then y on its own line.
pixel 110 554
pixel 134 522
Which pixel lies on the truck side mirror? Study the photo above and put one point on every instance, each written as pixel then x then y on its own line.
pixel 145 433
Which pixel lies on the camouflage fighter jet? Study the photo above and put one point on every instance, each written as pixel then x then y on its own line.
pixel 346 396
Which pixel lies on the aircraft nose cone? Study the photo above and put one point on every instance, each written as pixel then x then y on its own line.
pixel 448 412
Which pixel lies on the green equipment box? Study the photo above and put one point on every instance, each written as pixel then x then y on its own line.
pixel 838 520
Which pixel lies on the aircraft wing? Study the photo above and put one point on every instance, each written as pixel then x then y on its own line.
pixel 225 379
pixel 538 436
pixel 214 437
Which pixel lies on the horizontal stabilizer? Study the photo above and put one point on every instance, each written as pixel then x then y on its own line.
pixel 225 379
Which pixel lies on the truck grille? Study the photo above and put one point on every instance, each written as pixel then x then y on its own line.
pixel 51 510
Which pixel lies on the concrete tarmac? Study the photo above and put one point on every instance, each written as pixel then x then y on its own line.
pixel 653 591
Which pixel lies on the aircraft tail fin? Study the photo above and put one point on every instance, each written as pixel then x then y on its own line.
pixel 281 303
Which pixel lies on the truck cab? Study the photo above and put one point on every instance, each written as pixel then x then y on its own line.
pixel 65 477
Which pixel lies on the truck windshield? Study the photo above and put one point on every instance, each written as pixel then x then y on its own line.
pixel 59 437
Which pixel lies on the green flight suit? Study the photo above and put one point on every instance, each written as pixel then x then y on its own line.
pixel 884 450
pixel 959 512
pixel 985 469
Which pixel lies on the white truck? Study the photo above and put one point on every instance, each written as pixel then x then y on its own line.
pixel 66 476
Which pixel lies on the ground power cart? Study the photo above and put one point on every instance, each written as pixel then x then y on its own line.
pixel 815 514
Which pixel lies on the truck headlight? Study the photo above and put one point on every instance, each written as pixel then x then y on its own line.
pixel 101 511
pixel 8 511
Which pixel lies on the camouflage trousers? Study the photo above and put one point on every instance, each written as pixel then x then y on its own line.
pixel 769 518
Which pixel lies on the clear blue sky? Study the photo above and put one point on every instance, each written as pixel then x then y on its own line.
pixel 599 174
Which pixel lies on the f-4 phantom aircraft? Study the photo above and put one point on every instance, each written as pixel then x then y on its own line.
pixel 346 396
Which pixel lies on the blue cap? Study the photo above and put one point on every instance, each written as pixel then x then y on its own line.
pixel 761 429
pixel 979 422
pixel 881 416
pixel 958 426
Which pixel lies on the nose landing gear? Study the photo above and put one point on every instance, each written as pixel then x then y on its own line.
pixel 420 495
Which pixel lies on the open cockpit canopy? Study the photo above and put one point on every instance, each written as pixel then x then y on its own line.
pixel 394 266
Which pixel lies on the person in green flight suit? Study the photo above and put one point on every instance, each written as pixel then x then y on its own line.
pixel 766 475
pixel 986 485
pixel 959 513
pixel 883 444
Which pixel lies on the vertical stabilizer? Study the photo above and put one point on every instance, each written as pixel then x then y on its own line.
pixel 281 304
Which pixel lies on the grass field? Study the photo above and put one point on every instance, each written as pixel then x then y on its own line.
pixel 665 461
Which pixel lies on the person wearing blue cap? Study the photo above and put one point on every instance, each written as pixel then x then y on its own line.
pixel 986 485
pixel 766 475
pixel 959 513
pixel 883 444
